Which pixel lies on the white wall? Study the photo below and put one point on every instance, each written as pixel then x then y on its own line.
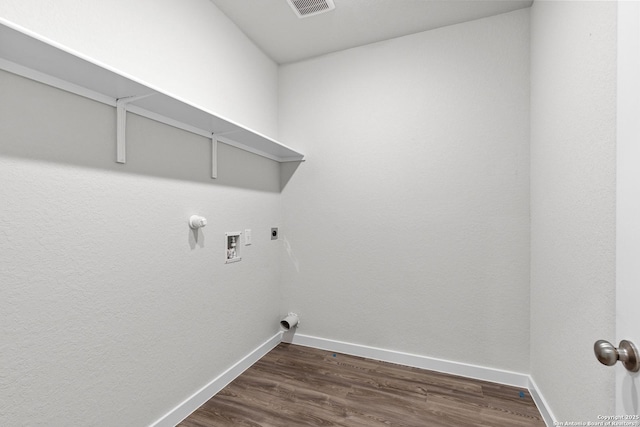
pixel 627 201
pixel 111 312
pixel 573 119
pixel 187 48
pixel 408 227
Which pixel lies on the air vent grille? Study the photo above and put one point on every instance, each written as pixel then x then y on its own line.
pixel 306 8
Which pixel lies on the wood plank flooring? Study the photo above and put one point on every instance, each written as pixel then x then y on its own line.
pixel 301 386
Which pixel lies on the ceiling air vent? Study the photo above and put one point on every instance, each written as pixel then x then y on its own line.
pixel 306 8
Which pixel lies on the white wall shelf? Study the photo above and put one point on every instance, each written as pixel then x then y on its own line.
pixel 35 57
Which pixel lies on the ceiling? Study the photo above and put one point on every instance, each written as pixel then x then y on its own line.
pixel 275 28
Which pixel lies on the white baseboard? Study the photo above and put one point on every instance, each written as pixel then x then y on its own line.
pixel 196 400
pixel 542 405
pixel 514 379
pixel 456 368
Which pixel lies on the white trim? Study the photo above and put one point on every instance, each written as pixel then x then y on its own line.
pixel 121 132
pixel 167 121
pixel 541 403
pixel 20 70
pixel 456 368
pixel 66 86
pixel 214 156
pixel 244 147
pixel 241 146
pixel 292 159
pixel 196 400
pixel 499 376
pixel 76 73
pixel 627 233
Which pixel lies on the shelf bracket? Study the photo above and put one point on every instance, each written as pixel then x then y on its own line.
pixel 214 156
pixel 121 125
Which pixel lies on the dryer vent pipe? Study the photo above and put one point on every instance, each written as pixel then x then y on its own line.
pixel 291 321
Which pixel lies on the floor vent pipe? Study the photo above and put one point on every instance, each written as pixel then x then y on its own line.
pixel 291 321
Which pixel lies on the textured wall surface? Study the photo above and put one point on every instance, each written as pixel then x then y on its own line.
pixel 112 311
pixel 187 48
pixel 573 129
pixel 408 228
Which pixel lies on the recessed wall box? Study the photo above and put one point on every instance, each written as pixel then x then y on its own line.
pixel 232 247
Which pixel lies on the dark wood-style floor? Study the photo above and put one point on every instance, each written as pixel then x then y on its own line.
pixel 301 386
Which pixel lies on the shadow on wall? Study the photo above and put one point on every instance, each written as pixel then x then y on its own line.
pixel 287 170
pixel 196 238
pixel 43 123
